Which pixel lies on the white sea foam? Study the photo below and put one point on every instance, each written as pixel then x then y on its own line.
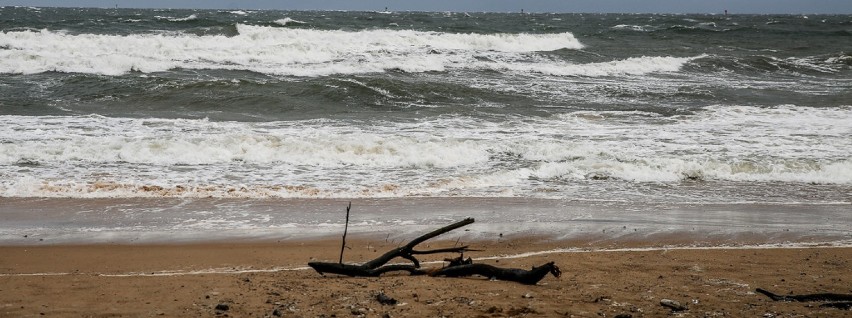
pixel 95 156
pixel 268 50
pixel 630 27
pixel 188 142
pixel 630 66
pixel 191 17
pixel 286 21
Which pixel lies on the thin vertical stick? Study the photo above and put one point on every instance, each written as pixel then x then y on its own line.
pixel 345 229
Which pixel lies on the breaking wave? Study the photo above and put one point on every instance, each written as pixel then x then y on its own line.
pixel 191 17
pixel 41 156
pixel 286 21
pixel 267 50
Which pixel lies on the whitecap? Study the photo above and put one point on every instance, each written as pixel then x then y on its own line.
pixel 191 17
pixel 268 50
pixel 286 21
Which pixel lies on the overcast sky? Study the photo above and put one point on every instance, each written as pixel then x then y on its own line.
pixel 640 6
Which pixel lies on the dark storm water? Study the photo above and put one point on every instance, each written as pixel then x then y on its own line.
pixel 603 107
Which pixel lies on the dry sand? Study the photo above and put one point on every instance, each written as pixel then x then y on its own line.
pixel 264 279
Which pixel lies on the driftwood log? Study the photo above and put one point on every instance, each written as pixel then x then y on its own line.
pixel 458 267
pixel 842 301
pixel 377 266
pixel 528 277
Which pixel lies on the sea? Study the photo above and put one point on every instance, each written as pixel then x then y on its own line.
pixel 126 125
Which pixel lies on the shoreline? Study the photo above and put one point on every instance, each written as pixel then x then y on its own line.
pixel 50 221
pixel 530 249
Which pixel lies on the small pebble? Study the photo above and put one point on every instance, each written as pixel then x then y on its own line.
pixel 672 304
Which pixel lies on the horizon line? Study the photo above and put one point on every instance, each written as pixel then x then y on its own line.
pixel 425 11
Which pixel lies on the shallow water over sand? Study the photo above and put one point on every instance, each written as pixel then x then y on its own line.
pixel 172 220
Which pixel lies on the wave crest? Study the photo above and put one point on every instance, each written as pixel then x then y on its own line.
pixel 43 156
pixel 286 21
pixel 191 17
pixel 268 50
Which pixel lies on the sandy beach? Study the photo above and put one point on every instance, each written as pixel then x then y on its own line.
pixel 268 279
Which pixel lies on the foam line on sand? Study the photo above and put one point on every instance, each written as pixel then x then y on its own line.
pixel 247 270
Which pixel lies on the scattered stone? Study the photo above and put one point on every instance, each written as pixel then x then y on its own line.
pixel 223 307
pixel 359 311
pixel 494 310
pixel 602 299
pixel 624 316
pixel 521 311
pixel 673 305
pixel 276 313
pixel 385 299
pixel 527 295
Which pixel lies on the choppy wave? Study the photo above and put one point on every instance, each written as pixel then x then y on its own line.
pixel 469 105
pixel 267 50
pixel 750 64
pixel 302 52
pixel 697 27
pixel 629 66
pixel 286 21
pixel 191 17
pixel 42 156
pixel 629 27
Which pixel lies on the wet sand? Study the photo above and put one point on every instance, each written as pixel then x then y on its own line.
pixel 268 279
pixel 38 221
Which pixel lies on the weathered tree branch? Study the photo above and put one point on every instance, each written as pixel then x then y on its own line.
pixel 360 271
pixel 458 267
pixel 345 229
pixel 845 305
pixel 445 250
pixel 406 251
pixel 375 267
pixel 528 277
pixel 806 297
pixel 831 300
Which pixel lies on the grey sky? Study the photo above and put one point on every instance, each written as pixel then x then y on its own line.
pixel 642 6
